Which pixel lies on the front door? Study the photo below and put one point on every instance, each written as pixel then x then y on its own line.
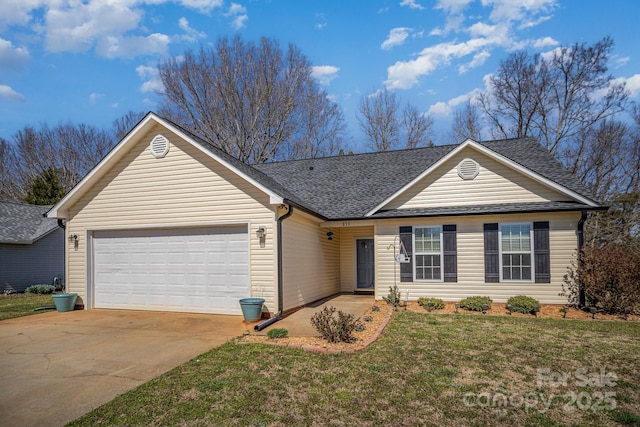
pixel 365 272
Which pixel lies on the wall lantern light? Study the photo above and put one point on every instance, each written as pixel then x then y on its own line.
pixel 73 238
pixel 261 232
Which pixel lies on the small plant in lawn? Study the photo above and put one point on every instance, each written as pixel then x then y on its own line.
pixel 277 333
pixel 40 289
pixel 523 304
pixel 436 303
pixel 332 329
pixel 393 298
pixel 375 308
pixel 475 303
pixel 367 318
pixel 360 327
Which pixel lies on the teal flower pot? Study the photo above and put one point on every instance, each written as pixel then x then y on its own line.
pixel 251 308
pixel 65 302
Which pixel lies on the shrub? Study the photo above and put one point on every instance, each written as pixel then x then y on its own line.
pixel 40 289
pixel 609 276
pixel 523 304
pixel 332 329
pixel 360 326
pixel 475 303
pixel 375 308
pixel 277 333
pixel 393 297
pixel 436 303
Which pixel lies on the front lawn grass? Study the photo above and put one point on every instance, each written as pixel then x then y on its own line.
pixel 17 305
pixel 425 369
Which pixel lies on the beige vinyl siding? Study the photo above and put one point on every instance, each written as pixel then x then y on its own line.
pixel 348 236
pixel 470 242
pixel 496 183
pixel 185 188
pixel 311 262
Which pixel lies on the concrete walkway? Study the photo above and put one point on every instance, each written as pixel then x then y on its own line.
pixel 55 367
pixel 299 323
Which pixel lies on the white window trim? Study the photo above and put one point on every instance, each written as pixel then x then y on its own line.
pixel 413 254
pixel 531 252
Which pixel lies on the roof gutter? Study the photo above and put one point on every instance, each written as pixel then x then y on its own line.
pixel 260 326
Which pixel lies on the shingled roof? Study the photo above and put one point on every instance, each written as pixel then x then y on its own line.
pixel 348 187
pixel 24 224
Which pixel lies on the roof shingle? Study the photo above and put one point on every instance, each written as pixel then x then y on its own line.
pixel 24 224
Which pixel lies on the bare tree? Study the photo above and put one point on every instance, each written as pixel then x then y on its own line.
pixel 122 125
pixel 417 127
pixel 466 123
pixel 380 120
pixel 555 98
pixel 512 101
pixel 71 150
pixel 253 101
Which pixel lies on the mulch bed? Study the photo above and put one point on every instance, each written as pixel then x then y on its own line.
pixel 379 320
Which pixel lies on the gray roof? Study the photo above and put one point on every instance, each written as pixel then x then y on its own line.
pixel 24 224
pixel 347 187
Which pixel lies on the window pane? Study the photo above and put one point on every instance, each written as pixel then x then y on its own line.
pixel 428 267
pixel 427 240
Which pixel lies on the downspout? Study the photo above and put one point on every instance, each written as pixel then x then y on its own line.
pixel 260 326
pixel 583 218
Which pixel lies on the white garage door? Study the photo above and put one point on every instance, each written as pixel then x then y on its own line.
pixel 202 270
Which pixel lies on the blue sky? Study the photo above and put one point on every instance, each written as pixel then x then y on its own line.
pixel 91 61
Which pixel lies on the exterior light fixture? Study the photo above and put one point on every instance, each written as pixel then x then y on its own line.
pixel 565 310
pixel 593 311
pixel 73 238
pixel 485 307
pixel 627 310
pixel 329 235
pixel 429 306
pixel 457 307
pixel 261 233
pixel 510 308
pixel 536 310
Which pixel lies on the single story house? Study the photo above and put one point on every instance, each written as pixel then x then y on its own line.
pixel 31 247
pixel 168 222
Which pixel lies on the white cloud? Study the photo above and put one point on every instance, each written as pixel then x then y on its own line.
pixel 477 61
pixel 151 77
pixel 324 73
pixel 12 57
pixel 18 12
pixel 412 4
pixel 129 47
pixel 94 96
pixel 518 10
pixel 632 84
pixel 445 109
pixel 620 60
pixel 322 21
pixel 396 37
pixel 202 5
pixel 191 34
pixel 405 74
pixel 7 92
pixel 545 42
pixel 238 15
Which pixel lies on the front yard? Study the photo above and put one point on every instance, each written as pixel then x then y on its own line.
pixel 425 369
pixel 17 305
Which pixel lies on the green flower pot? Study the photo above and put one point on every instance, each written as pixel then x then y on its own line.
pixel 65 302
pixel 251 308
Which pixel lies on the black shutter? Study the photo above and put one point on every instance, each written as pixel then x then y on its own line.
pixel 406 269
pixel 491 254
pixel 450 252
pixel 542 260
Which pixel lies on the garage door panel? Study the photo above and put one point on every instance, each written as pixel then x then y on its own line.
pixel 192 270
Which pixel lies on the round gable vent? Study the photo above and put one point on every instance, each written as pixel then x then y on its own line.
pixel 468 169
pixel 159 146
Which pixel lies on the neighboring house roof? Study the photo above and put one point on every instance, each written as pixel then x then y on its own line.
pixel 24 224
pixel 359 186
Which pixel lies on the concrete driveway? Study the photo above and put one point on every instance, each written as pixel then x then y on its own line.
pixel 55 367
